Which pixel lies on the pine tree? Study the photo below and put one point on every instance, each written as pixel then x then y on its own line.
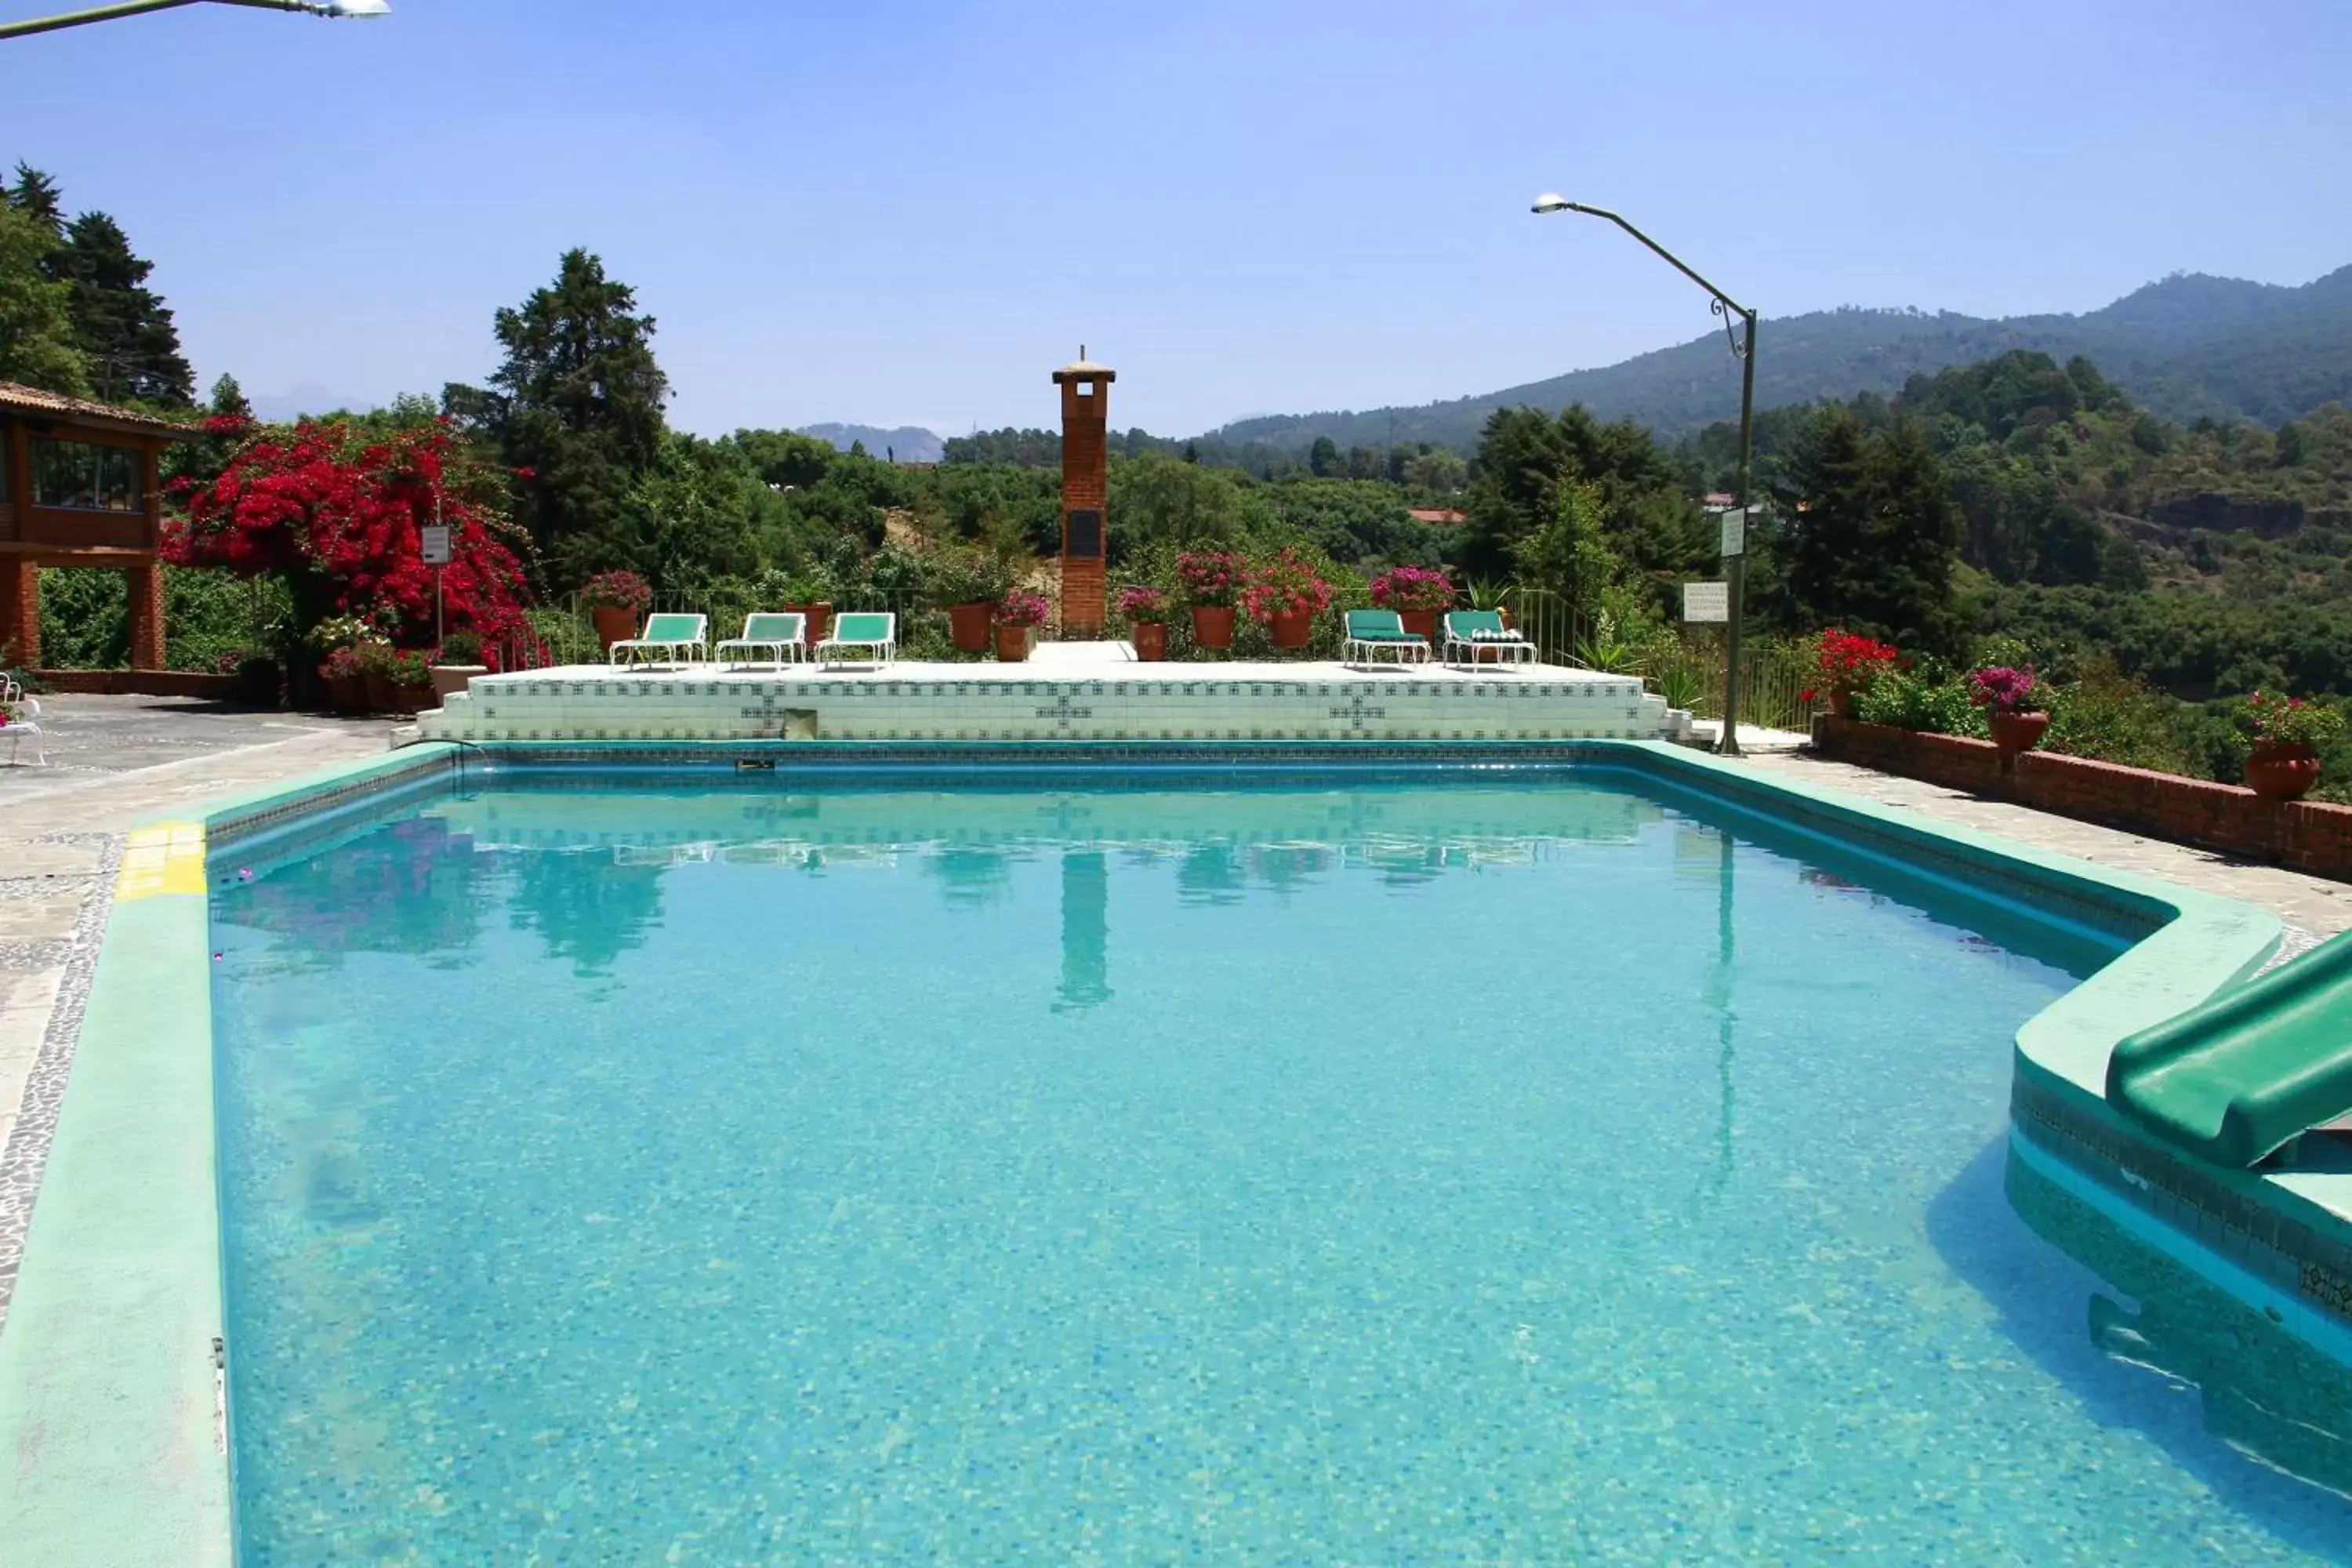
pixel 36 195
pixel 37 335
pixel 228 400
pixel 1875 536
pixel 125 330
pixel 578 404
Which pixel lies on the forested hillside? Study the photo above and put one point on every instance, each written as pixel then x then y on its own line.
pixel 2186 348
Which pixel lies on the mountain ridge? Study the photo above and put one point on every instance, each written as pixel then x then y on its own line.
pixel 2186 346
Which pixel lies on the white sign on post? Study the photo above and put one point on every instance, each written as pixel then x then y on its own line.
pixel 433 540
pixel 1734 532
pixel 1707 601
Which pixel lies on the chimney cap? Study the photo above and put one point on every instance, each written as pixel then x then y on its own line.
pixel 1084 369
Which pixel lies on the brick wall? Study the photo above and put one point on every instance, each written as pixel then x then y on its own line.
pixel 2307 835
pixel 20 611
pixel 142 683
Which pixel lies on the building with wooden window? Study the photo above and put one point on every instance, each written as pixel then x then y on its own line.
pixel 79 487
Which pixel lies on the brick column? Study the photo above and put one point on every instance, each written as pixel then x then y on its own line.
pixel 146 616
pixel 20 611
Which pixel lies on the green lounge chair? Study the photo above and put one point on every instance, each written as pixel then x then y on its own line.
pixel 1370 632
pixel 679 638
pixel 877 632
pixel 783 633
pixel 1472 635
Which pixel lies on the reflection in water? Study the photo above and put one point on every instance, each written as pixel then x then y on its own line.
pixel 2263 1392
pixel 1085 930
pixel 335 902
pixel 591 920
pixel 970 875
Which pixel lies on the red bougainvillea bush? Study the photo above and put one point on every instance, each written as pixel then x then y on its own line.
pixel 337 510
pixel 1848 661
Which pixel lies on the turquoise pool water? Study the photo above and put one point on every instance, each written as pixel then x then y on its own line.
pixel 1530 1171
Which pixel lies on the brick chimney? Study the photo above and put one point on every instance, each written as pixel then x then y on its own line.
pixel 1085 492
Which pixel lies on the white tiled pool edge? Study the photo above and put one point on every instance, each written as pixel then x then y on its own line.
pixel 1015 703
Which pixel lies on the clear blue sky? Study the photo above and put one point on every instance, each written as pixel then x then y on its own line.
pixel 901 212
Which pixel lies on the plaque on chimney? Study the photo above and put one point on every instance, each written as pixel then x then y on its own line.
pixel 1082 538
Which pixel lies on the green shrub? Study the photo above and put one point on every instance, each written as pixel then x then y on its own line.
pixel 1925 699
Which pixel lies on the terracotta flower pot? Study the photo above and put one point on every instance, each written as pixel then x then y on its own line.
pixel 1420 623
pixel 968 626
pixel 1150 638
pixel 383 696
pixel 448 680
pixel 614 623
pixel 2278 769
pixel 1841 701
pixel 1213 626
pixel 2015 732
pixel 348 693
pixel 818 616
pixel 1292 630
pixel 415 699
pixel 1012 642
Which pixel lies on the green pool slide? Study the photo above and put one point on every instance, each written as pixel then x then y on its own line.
pixel 2235 1077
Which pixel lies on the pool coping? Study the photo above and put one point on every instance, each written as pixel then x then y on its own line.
pixel 114 1426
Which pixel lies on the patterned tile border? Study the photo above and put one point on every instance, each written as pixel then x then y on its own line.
pixel 2212 1207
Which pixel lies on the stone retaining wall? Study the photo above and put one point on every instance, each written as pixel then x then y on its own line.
pixel 2307 835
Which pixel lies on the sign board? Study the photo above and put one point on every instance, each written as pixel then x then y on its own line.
pixel 1734 532
pixel 1082 538
pixel 435 543
pixel 1707 601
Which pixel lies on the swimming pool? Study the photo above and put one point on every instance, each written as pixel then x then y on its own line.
pixel 1556 1169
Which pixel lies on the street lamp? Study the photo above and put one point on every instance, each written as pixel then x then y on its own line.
pixel 1743 348
pixel 357 9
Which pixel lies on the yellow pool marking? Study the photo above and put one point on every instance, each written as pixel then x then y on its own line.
pixel 162 857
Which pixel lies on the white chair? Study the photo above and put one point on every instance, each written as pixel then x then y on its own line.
pixel 26 726
pixel 783 633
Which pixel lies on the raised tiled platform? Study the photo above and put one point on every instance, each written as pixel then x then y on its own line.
pixel 1057 701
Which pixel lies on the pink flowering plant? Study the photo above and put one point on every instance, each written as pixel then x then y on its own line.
pixel 2001 689
pixel 2292 721
pixel 1143 604
pixel 1285 585
pixel 616 590
pixel 1412 588
pixel 1211 578
pixel 1021 608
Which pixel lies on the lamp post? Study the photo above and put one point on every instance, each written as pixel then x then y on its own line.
pixel 1743 348
pixel 355 9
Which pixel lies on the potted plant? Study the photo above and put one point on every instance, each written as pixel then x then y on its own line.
pixel 458 661
pixel 969 582
pixel 613 600
pixel 1018 616
pixel 1419 594
pixel 1844 664
pixel 345 682
pixel 2007 695
pixel 1145 610
pixel 1286 594
pixel 380 695
pixel 411 673
pixel 2284 763
pixel 1212 581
